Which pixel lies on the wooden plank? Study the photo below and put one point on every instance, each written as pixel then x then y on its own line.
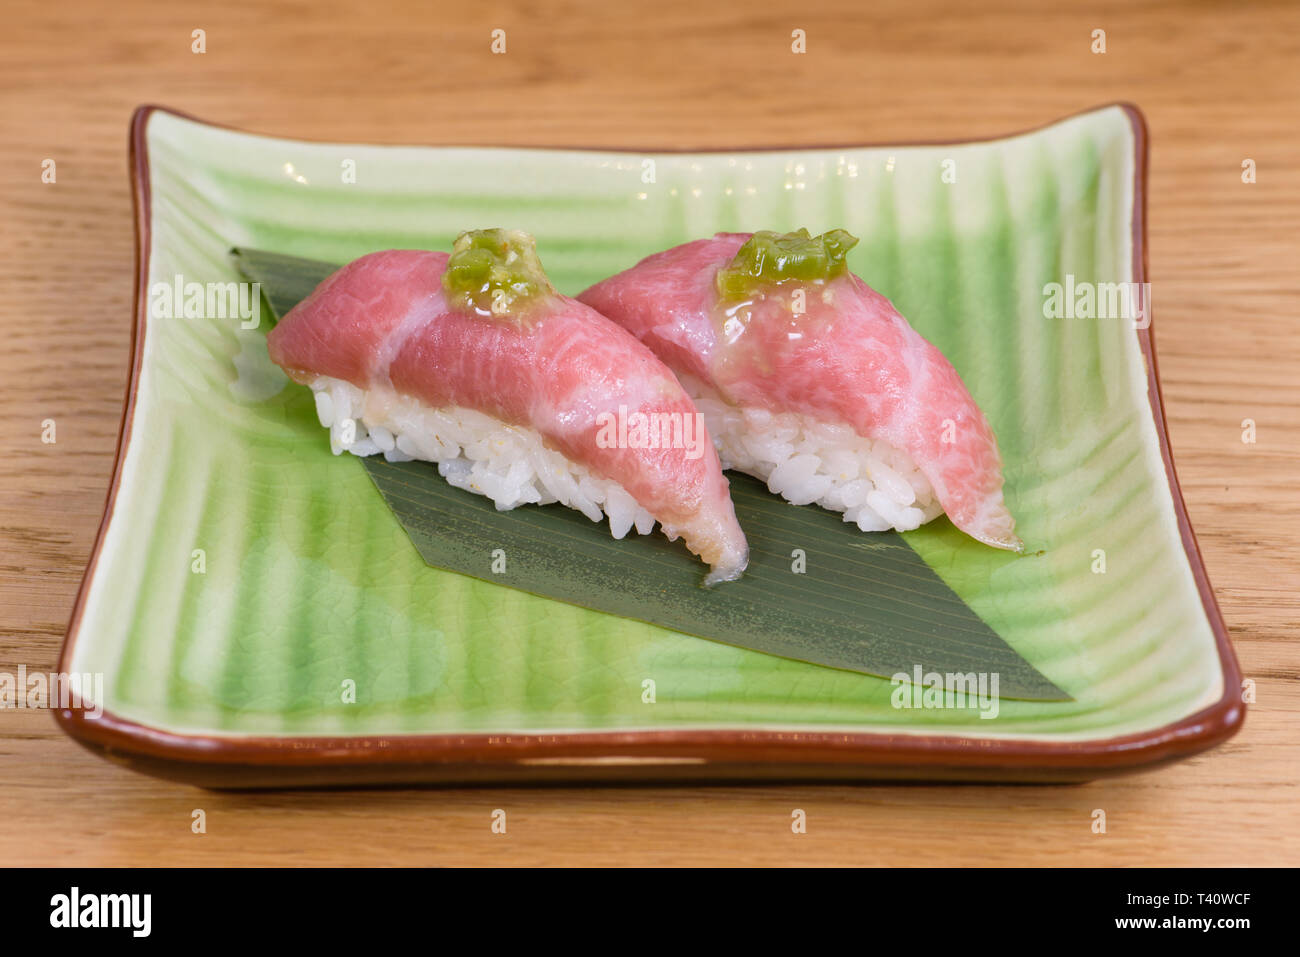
pixel 1217 87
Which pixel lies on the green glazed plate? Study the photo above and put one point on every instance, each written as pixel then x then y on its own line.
pixel 260 618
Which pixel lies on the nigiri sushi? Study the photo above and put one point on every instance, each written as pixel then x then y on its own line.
pixel 472 360
pixel 812 381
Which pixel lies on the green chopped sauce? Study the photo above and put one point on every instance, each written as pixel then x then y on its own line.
pixel 495 272
pixel 769 258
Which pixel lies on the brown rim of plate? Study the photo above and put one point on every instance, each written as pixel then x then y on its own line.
pixel 684 754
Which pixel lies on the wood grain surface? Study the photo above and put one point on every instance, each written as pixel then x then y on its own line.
pixel 1218 84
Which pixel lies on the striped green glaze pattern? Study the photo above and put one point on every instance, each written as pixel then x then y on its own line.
pixel 309 581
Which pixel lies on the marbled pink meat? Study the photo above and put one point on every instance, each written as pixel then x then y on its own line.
pixel 850 358
pixel 384 320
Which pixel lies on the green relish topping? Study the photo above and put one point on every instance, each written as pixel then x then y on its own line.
pixel 495 272
pixel 770 257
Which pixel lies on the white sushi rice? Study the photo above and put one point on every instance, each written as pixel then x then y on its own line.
pixel 476 452
pixel 875 485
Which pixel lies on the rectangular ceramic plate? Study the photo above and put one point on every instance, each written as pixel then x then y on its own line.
pixel 232 677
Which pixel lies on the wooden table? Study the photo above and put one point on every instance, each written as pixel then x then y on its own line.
pixel 1217 86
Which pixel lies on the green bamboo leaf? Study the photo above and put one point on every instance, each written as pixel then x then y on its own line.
pixel 286 280
pixel 816 589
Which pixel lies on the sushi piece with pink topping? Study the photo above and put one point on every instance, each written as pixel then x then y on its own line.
pixel 811 380
pixel 472 360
